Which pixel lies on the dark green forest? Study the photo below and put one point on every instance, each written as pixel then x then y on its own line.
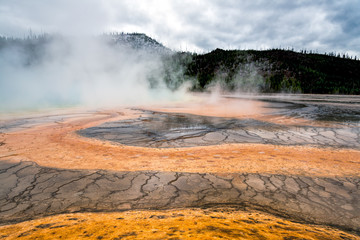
pixel 281 71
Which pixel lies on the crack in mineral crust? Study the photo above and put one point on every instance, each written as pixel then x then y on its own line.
pixel 30 191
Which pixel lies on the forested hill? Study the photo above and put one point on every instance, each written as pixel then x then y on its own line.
pixel 276 71
pixel 137 41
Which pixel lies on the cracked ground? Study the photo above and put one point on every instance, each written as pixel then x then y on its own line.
pixel 298 168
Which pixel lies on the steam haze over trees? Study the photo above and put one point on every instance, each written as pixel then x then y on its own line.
pixel 53 53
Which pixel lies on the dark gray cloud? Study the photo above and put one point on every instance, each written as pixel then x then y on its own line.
pixel 197 25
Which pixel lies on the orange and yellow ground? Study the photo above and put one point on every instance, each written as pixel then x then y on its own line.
pixel 56 145
pixel 214 223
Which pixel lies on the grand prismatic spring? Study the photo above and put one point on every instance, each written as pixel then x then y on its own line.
pixel 250 167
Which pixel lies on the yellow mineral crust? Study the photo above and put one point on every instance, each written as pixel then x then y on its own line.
pixel 213 223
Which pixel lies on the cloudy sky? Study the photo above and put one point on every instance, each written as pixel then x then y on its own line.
pixel 197 25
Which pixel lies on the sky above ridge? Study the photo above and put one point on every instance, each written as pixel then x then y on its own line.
pixel 197 25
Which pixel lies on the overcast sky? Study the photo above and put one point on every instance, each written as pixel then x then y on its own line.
pixel 197 25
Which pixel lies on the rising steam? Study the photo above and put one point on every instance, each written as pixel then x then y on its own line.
pixel 92 71
pixel 108 71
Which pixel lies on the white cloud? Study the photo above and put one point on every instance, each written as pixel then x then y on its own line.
pixel 196 25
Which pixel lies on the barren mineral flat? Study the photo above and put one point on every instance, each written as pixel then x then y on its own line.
pixel 297 157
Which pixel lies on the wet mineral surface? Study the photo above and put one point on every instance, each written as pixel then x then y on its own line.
pixel 161 130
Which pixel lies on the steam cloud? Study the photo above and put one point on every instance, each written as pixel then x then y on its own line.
pixel 57 71
pixel 81 71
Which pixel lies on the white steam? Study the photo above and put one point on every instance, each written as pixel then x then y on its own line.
pixel 81 71
pixel 246 79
